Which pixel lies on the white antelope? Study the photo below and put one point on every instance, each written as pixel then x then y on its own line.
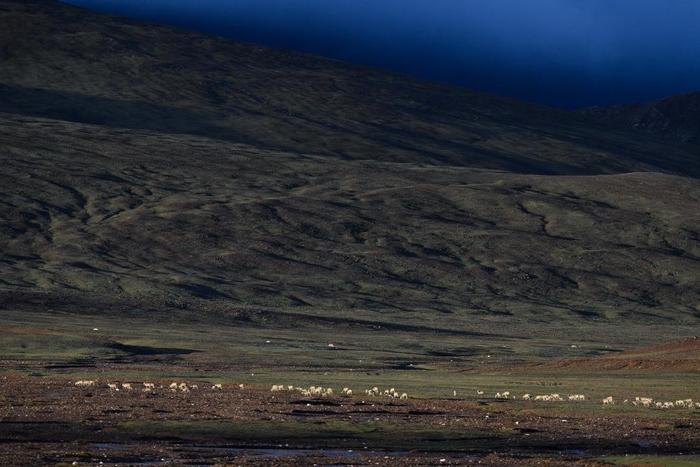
pixel 84 383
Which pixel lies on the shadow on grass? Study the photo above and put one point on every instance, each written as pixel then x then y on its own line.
pixel 142 350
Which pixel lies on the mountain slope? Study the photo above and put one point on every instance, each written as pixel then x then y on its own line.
pixel 674 118
pixel 65 63
pixel 176 171
pixel 168 218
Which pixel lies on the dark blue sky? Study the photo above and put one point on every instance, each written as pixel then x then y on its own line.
pixel 561 52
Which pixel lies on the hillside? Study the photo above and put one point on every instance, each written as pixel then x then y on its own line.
pixel 65 63
pixel 141 214
pixel 674 118
pixel 178 171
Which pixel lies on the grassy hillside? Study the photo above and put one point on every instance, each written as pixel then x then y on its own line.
pixel 154 171
pixel 153 216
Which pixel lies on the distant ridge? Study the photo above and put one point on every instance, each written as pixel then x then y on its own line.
pixel 674 118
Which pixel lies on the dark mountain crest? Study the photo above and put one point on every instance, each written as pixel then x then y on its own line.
pixel 674 118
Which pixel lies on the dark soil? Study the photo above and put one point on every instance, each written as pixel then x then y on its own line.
pixel 48 420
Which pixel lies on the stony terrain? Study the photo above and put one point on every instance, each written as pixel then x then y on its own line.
pixel 163 426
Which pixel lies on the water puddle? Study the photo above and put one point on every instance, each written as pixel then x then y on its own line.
pixel 202 452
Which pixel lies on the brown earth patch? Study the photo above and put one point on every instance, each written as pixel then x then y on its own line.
pixel 7 329
pixel 681 355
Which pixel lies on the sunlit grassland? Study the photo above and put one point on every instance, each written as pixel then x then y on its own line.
pixel 423 363
pixel 658 461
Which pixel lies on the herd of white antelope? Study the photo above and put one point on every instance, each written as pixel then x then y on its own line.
pixel 320 391
pixel 647 402
pixel 346 392
pixel 147 387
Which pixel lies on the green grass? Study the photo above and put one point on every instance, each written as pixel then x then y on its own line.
pixel 324 433
pixel 45 346
pixel 660 461
pixel 362 358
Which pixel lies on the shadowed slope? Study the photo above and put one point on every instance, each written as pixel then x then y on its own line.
pixel 66 63
pixel 674 118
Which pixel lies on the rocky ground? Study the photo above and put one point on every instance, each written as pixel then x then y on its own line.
pixel 48 420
